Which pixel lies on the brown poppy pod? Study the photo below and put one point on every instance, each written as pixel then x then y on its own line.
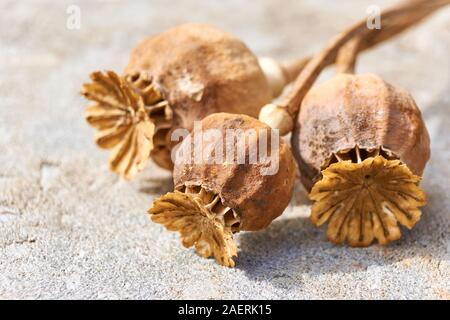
pixel 361 146
pixel 360 143
pixel 218 196
pixel 171 80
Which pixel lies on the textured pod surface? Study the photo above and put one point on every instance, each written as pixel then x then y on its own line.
pixel 221 189
pixel 358 110
pixel 256 198
pixel 201 70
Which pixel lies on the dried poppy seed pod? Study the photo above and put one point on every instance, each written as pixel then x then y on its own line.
pixel 181 75
pixel 214 199
pixel 361 144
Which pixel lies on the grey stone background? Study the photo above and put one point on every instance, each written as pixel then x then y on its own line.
pixel 69 228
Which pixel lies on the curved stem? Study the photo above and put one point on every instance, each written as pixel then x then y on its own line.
pixel 291 69
pixel 312 70
pixel 347 55
pixel 346 59
pixel 396 19
pixel 281 74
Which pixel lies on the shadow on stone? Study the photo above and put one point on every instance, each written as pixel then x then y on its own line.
pixel 290 248
pixel 300 196
pixel 155 186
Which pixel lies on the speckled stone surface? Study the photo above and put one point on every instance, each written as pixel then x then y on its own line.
pixel 69 228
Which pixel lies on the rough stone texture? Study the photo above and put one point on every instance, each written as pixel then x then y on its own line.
pixel 69 228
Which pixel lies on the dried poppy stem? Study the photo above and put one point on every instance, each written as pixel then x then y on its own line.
pixel 282 115
pixel 347 56
pixel 293 68
pixel 346 59
pixel 281 74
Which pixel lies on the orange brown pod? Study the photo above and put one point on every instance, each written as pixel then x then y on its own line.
pixel 360 143
pixel 215 199
pixel 171 80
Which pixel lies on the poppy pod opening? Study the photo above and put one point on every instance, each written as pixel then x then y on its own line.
pixel 216 197
pixel 132 124
pixel 361 145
